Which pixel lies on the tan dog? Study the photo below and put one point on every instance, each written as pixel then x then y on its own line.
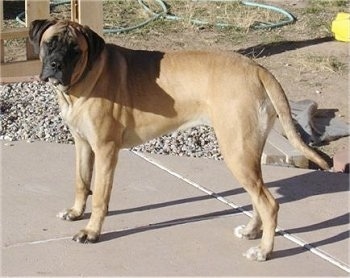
pixel 114 98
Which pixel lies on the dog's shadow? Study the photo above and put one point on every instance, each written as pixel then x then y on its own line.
pixel 265 50
pixel 307 186
pixel 291 190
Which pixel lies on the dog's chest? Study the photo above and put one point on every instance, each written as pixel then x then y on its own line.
pixel 66 111
pixel 70 115
pixel 73 123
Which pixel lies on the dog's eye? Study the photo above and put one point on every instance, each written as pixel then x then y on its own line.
pixel 52 44
pixel 77 49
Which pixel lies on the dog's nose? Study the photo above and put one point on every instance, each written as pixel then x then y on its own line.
pixel 55 65
pixel 43 77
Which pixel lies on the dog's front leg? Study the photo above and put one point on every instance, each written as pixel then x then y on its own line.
pixel 105 163
pixel 84 168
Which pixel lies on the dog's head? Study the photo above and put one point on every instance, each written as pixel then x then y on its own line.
pixel 67 50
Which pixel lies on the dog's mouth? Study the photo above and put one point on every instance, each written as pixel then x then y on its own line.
pixel 52 78
pixel 53 81
pixel 56 84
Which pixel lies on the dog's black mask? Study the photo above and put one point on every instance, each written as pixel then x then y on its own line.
pixel 59 60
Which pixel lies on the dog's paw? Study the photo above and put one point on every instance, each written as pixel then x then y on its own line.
pixel 256 254
pixel 241 232
pixel 85 236
pixel 70 215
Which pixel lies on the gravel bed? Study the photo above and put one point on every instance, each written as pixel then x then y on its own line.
pixel 29 111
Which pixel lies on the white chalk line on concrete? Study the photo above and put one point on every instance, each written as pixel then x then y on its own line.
pixel 316 251
pixel 19 244
pixel 143 227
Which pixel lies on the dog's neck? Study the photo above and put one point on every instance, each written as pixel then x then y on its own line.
pixel 67 96
pixel 79 88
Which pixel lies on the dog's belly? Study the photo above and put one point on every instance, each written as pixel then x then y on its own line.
pixel 203 120
pixel 133 137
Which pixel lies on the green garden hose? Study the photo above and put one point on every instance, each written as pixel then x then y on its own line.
pixel 164 14
pixel 263 25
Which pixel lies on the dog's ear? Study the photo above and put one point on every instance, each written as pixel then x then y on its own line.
pixel 36 30
pixel 95 43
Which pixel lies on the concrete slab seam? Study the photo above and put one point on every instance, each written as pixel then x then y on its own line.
pixel 196 185
pixel 316 251
pixel 151 225
pixel 19 244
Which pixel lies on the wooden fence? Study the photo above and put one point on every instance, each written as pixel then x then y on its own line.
pixel 88 12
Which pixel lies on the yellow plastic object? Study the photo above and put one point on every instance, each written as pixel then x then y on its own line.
pixel 341 27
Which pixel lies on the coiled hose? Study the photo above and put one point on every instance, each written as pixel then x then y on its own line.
pixel 289 18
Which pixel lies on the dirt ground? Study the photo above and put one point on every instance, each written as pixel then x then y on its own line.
pixel 303 56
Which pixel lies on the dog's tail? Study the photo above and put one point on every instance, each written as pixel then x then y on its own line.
pixel 281 105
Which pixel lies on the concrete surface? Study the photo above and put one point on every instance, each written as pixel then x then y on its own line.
pixel 162 222
pixel 341 161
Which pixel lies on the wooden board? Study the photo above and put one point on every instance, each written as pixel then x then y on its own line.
pixel 279 151
pixel 35 10
pixel 88 12
pixel 12 34
pixel 17 69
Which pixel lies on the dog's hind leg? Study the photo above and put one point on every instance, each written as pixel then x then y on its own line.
pixel 248 173
pixel 242 147
pixel 253 229
pixel 265 206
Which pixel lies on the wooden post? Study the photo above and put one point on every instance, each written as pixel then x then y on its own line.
pixel 35 10
pixel 88 12
pixel 74 10
pixel 2 53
